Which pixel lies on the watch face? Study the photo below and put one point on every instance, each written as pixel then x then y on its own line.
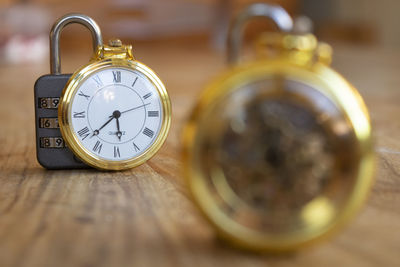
pixel 275 153
pixel 116 114
pixel 278 156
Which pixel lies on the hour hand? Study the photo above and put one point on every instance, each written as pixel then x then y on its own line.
pixel 119 133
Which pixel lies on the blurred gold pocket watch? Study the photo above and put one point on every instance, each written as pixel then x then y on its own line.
pixel 278 151
pixel 114 113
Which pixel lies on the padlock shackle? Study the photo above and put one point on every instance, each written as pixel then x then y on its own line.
pixel 55 56
pixel 276 13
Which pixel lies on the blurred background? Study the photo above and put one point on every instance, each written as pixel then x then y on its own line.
pixel 46 215
pixel 25 24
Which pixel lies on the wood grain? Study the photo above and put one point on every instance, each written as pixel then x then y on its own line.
pixel 143 217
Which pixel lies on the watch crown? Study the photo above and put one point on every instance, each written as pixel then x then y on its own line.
pixel 115 43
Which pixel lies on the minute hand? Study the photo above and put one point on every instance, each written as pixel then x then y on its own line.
pixel 96 132
pixel 134 108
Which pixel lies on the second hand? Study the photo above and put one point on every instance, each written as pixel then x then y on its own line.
pixel 133 109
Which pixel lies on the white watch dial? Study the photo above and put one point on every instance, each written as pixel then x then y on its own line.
pixel 116 113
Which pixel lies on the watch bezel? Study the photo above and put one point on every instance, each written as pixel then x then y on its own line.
pixel 72 140
pixel 318 76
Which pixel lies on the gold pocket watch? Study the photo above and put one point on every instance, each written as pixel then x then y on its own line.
pixel 114 112
pixel 278 152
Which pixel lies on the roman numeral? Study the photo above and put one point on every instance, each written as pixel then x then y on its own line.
pixel 153 113
pixel 147 95
pixel 97 147
pixel 82 94
pixel 133 84
pixel 80 115
pixel 83 133
pixel 98 81
pixel 117 76
pixel 116 152
pixel 136 147
pixel 148 132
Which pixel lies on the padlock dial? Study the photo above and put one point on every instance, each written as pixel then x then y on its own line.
pixel 116 113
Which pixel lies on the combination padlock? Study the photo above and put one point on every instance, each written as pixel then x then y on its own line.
pixel 52 152
pixel 113 113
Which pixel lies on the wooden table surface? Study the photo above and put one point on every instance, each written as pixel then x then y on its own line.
pixel 144 217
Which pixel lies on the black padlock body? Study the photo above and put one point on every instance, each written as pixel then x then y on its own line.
pixel 51 150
